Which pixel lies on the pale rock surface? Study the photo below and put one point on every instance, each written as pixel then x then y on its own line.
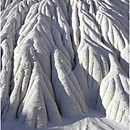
pixel 62 59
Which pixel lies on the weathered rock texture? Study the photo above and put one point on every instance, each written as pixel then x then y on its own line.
pixel 63 58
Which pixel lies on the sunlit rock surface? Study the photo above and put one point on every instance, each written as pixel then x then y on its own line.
pixel 64 59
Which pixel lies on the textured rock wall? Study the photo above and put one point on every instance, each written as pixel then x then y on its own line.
pixel 62 58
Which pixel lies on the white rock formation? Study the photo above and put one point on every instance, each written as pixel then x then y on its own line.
pixel 62 58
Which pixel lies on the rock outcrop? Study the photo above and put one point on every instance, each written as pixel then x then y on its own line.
pixel 63 58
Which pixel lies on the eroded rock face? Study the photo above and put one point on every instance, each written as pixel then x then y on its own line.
pixel 63 58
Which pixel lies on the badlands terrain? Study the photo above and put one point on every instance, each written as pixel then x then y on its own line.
pixel 64 64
